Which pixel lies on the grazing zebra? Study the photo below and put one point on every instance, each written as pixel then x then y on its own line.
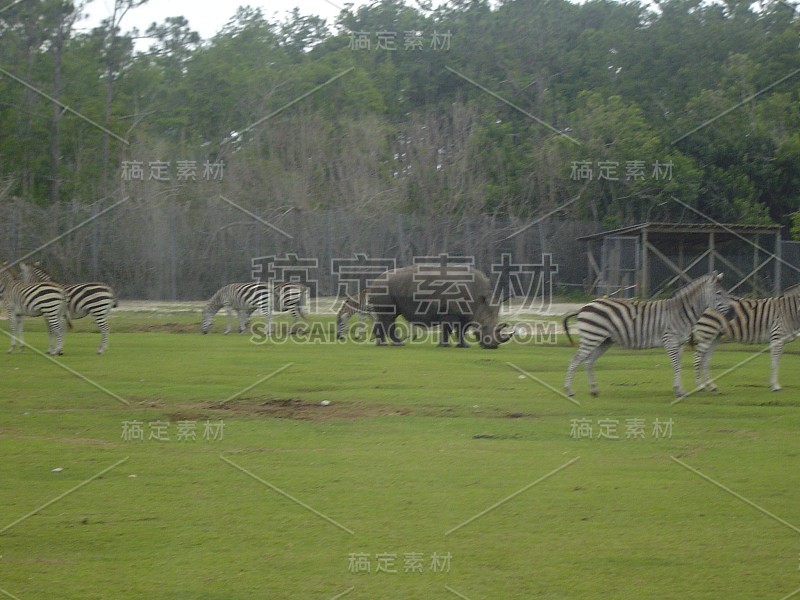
pixel 773 321
pixel 45 299
pixel 83 299
pixel 636 324
pixel 245 298
pixel 351 306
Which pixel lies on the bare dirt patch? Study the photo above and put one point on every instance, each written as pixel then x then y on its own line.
pixel 303 410
pixel 165 328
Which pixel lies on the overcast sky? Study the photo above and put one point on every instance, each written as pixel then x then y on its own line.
pixel 207 17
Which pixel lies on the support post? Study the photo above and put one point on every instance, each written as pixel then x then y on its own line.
pixel 754 282
pixel 712 251
pixel 644 287
pixel 777 287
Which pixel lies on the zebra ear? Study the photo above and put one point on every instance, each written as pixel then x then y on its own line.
pixel 719 276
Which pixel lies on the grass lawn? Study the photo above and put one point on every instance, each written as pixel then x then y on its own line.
pixel 319 470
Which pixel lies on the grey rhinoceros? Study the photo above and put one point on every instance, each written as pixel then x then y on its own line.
pixel 456 297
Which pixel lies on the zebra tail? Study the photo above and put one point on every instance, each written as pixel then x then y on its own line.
pixel 69 322
pixel 566 326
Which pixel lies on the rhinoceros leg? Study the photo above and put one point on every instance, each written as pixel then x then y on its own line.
pixel 461 329
pixel 379 329
pixel 444 334
pixel 396 341
pixel 384 327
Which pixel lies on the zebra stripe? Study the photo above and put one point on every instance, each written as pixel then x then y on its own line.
pixel 291 298
pixel 637 325
pixel 34 300
pixel 245 298
pixel 351 306
pixel 83 299
pixel 773 321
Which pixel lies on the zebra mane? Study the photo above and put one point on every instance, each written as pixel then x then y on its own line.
pixel 282 284
pixel 34 272
pixel 792 290
pixel 691 287
pixel 6 268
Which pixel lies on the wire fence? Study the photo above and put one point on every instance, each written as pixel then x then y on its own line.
pixel 169 249
pixel 184 250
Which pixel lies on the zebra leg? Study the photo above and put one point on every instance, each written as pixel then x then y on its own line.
pixel 674 351
pixel 102 325
pixel 52 342
pixel 702 359
pixel 244 320
pixel 20 337
pixel 776 349
pixel 297 315
pixel 590 360
pixel 700 351
pixel 12 325
pixel 706 372
pixel 57 332
pixel 230 323
pixel 581 355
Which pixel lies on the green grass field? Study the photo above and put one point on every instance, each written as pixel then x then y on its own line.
pixel 360 472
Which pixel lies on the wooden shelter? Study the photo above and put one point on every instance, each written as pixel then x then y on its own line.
pixel 647 259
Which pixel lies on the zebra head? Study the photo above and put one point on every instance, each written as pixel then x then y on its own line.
pixel 721 299
pixel 208 319
pixel 705 293
pixel 8 275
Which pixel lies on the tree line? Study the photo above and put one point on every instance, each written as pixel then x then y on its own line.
pixel 514 109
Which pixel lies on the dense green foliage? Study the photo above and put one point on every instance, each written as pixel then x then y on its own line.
pixel 708 89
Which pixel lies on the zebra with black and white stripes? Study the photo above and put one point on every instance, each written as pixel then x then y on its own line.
pixel 246 298
pixel 22 299
pixel 83 299
pixel 773 321
pixel 637 325
pixel 358 305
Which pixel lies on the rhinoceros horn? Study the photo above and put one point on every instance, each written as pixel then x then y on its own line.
pixel 501 336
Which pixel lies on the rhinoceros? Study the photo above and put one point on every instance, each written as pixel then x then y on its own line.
pixel 455 297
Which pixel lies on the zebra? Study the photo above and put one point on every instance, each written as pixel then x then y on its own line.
pixel 775 321
pixel 83 299
pixel 23 299
pixel 638 325
pixel 245 298
pixel 351 306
